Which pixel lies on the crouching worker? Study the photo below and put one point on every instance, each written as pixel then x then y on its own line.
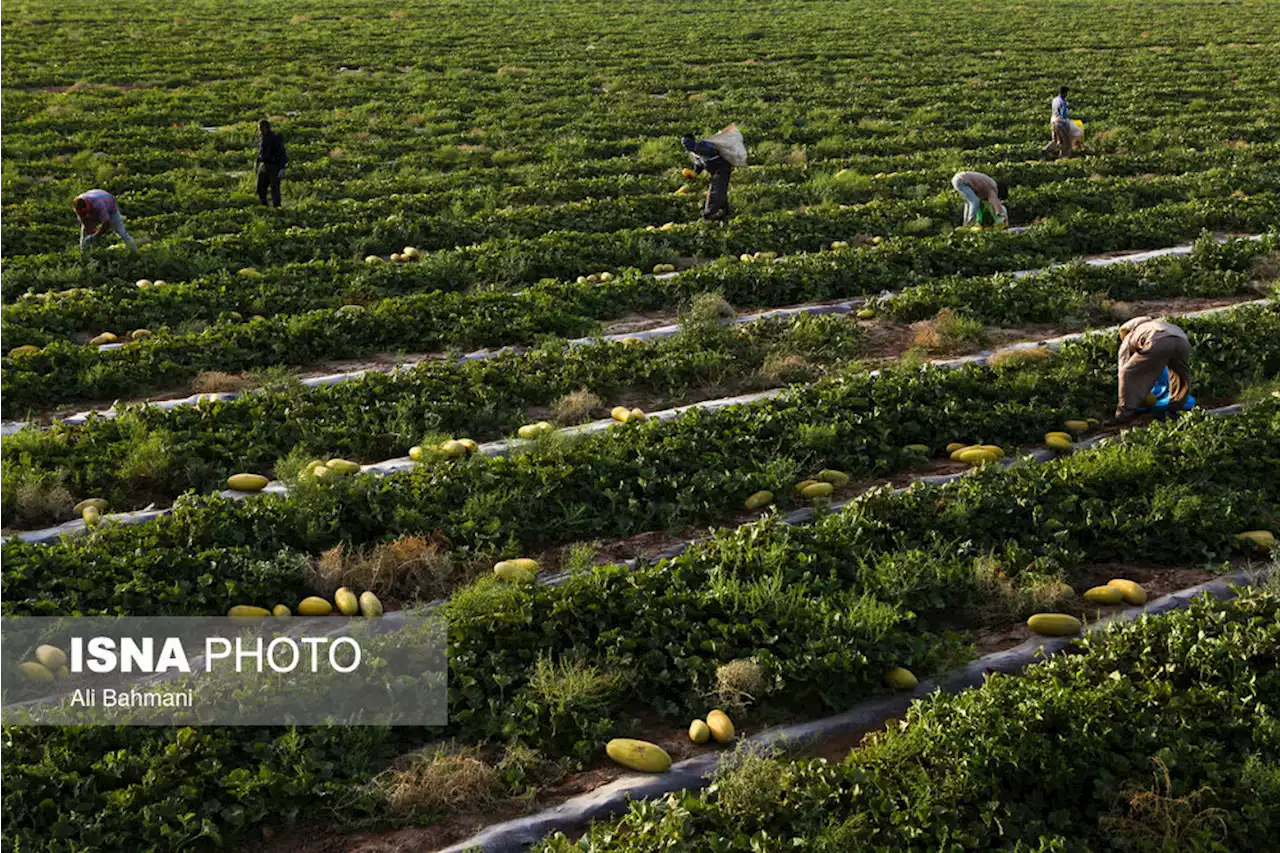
pixel 98 211
pixel 981 199
pixel 706 157
pixel 1147 347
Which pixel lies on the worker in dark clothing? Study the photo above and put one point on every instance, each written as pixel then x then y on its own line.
pixel 707 157
pixel 271 162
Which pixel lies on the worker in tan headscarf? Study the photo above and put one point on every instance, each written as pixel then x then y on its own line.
pixel 980 192
pixel 1147 347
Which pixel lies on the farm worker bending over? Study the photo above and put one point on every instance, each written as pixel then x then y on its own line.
pixel 98 211
pixel 706 156
pixel 1147 347
pixel 270 163
pixel 1065 134
pixel 979 189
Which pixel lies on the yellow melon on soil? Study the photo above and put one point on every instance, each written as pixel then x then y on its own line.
pixel 900 678
pixel 817 490
pixel 1054 624
pixel 721 726
pixel 638 755
pixel 1103 595
pixel 1264 540
pixel 1132 593
pixel 314 605
pixel 247 482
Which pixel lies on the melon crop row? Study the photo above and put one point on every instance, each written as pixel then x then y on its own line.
pixel 469 201
pixel 568 252
pixel 432 221
pixel 823 610
pixel 380 415
pixel 633 478
pixel 805 276
pixel 64 371
pixel 854 110
pixel 1066 755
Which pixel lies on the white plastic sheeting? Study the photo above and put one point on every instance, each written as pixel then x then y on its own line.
pixel 504 446
pixel 693 774
pixel 10 427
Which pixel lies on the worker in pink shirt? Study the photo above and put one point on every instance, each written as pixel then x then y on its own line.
pixel 98 211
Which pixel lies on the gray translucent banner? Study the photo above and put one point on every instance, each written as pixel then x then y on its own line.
pixel 162 671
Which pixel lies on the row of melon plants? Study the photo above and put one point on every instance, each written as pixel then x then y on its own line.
pixel 553 248
pixel 387 235
pixel 501 262
pixel 1158 734
pixel 820 610
pixel 472 203
pixel 1081 292
pixel 633 478
pixel 296 288
pixel 432 221
pixel 148 453
pixel 63 371
pixel 137 171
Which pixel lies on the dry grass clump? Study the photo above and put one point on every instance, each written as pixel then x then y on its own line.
pixel 1001 598
pixel 948 332
pixel 785 368
pixel 749 783
pixel 738 684
pixel 1265 269
pixel 1119 310
pixel 443 776
pixel 447 776
pixel 1158 820
pixel 413 567
pixel 37 502
pixel 706 308
pixel 576 408
pixel 1020 356
pixel 566 686
pixel 215 381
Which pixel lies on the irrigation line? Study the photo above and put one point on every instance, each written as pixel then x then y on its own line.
pixel 842 307
pixel 505 446
pixel 693 774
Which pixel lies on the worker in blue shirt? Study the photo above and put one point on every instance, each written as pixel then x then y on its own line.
pixel 1064 132
pixel 706 157
pixel 270 163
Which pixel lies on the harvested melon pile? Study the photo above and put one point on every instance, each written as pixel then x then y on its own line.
pixel 344 603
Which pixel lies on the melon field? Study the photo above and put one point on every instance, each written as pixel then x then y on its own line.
pixel 487 360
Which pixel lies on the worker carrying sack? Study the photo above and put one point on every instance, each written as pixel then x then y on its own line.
pixel 730 145
pixel 1077 132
